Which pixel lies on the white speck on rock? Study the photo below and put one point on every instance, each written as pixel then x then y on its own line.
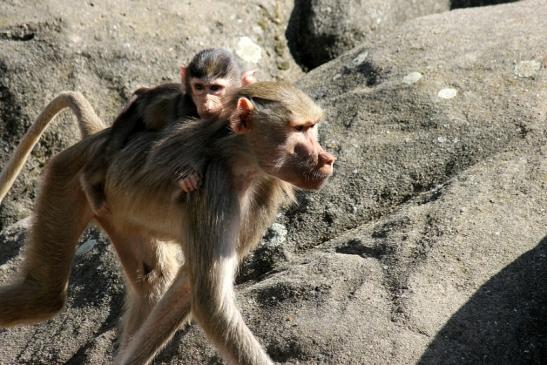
pixel 75 38
pixel 412 77
pixel 441 139
pixel 527 68
pixel 447 93
pixel 248 50
pixel 258 30
pixel 336 77
pixel 360 58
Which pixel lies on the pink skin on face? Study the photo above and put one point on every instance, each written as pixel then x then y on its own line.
pixel 208 96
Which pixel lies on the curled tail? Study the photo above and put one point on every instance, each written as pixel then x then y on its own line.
pixel 88 122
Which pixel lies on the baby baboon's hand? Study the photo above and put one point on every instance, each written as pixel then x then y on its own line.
pixel 190 183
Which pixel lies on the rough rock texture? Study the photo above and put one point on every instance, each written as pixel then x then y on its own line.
pixel 108 49
pixel 428 246
pixel 321 30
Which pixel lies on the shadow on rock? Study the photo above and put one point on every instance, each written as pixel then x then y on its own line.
pixel 505 322
pixel 455 4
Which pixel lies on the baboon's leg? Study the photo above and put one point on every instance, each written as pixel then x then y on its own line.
pixel 158 268
pixel 60 216
pixel 213 306
pixel 210 251
pixel 165 318
pixel 150 267
pixel 211 236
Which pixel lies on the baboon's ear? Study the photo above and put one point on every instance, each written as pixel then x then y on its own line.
pixel 248 78
pixel 240 121
pixel 183 72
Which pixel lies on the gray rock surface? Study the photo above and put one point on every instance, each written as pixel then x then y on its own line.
pixel 427 246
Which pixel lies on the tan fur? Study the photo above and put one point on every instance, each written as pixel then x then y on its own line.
pixel 215 226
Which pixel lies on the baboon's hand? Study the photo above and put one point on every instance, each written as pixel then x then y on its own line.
pixel 191 182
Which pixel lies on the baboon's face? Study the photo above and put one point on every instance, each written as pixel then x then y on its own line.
pixel 301 160
pixel 209 96
pixel 282 132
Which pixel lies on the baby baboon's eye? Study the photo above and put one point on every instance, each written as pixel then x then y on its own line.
pixel 216 87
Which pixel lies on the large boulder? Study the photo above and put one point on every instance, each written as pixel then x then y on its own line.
pixel 106 50
pixel 321 30
pixel 428 246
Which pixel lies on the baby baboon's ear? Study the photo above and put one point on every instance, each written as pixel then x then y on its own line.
pixel 183 71
pixel 248 78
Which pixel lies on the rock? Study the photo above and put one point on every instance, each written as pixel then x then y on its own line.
pixel 321 30
pixel 86 247
pixel 427 246
pixel 389 131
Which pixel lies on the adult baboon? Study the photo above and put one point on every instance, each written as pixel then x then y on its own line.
pixel 262 145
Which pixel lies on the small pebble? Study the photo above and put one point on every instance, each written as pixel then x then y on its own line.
pixel 412 77
pixel 86 247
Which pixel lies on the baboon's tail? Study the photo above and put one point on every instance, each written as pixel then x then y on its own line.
pixel 88 122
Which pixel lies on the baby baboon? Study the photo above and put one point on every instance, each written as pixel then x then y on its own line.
pixel 205 85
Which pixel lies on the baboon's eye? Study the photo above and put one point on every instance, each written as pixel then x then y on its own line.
pixel 216 87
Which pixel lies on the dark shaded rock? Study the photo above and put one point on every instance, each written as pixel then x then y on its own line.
pixel 454 4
